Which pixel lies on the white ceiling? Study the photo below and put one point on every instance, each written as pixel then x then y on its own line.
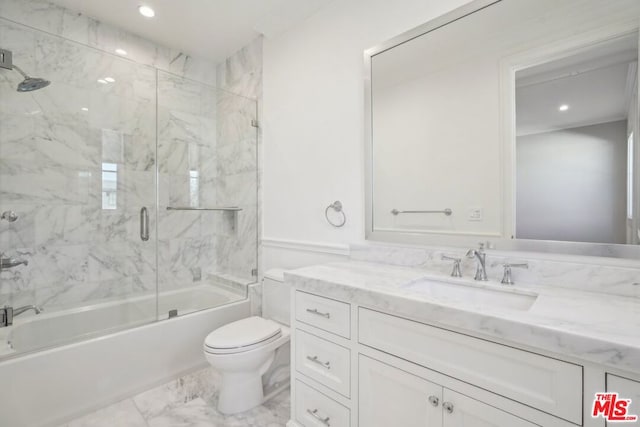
pixel 595 84
pixel 212 29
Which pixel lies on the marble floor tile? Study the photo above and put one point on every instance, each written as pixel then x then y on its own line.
pixel 189 401
pixel 123 413
pixel 201 384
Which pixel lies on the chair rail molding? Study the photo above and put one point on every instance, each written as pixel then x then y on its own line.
pixel 306 246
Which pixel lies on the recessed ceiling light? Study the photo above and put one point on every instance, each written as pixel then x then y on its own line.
pixel 563 107
pixel 109 79
pixel 103 81
pixel 146 11
pixel 121 52
pixel 84 109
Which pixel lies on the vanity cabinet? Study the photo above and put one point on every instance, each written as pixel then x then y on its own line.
pixel 356 366
pixel 390 396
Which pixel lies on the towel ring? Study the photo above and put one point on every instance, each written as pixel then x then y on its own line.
pixel 336 206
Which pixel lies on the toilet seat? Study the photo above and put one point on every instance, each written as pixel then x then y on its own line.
pixel 242 336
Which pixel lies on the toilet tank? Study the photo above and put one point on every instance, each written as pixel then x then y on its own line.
pixel 276 298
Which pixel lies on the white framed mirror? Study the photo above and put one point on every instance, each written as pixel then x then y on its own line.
pixel 513 122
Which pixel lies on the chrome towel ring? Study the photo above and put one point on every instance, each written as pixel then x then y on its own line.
pixel 336 206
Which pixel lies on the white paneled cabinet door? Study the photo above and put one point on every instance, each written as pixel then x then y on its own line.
pixel 391 397
pixel 626 389
pixel 462 411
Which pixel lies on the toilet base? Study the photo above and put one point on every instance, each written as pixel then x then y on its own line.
pixel 239 392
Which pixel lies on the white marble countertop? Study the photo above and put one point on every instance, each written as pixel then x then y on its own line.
pixel 590 326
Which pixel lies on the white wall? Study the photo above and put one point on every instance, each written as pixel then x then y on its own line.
pixel 314 120
pixel 571 184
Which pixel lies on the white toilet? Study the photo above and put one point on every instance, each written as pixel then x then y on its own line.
pixel 252 354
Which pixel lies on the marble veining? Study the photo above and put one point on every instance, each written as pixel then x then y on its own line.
pixel 185 402
pixel 562 321
pixel 581 273
pixel 54 144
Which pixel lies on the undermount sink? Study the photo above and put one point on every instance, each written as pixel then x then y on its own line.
pixel 450 292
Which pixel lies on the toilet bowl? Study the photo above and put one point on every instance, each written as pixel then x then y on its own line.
pixel 245 350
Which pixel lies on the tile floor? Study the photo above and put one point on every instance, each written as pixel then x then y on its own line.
pixel 189 401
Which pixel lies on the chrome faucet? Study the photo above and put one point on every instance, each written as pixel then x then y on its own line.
pixel 507 277
pixel 20 310
pixel 6 263
pixel 8 313
pixel 480 256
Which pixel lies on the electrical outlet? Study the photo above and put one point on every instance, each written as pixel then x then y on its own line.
pixel 475 214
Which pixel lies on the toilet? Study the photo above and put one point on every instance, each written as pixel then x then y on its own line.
pixel 252 354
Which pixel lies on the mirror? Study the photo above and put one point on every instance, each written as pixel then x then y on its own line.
pixel 513 121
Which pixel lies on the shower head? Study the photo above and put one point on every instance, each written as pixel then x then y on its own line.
pixel 29 83
pixel 32 83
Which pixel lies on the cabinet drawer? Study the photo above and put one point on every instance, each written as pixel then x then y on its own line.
pixel 324 361
pixel 544 383
pixel 314 409
pixel 324 313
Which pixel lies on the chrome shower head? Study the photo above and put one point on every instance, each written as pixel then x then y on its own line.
pixel 29 83
pixel 32 83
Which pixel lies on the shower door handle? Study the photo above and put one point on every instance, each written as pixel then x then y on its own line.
pixel 144 224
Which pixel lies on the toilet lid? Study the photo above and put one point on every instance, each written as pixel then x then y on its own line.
pixel 242 333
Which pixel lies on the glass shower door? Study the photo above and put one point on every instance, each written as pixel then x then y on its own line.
pixel 77 165
pixel 207 168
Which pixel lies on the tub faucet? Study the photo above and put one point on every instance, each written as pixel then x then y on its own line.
pixel 480 256
pixel 8 313
pixel 20 310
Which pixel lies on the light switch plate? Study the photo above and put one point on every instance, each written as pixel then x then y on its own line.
pixel 475 214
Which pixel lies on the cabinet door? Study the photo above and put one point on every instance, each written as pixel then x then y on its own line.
pixel 462 411
pixel 626 389
pixel 391 397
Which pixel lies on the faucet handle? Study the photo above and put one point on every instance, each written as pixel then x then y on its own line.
pixel 507 278
pixel 455 272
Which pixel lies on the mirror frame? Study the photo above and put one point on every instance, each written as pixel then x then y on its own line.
pixel 508 68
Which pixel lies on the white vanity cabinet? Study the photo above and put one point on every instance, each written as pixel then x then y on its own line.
pixel 390 396
pixel 361 367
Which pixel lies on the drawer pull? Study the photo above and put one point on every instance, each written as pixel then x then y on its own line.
pixel 314 359
pixel 434 400
pixel 318 313
pixel 314 414
pixel 448 406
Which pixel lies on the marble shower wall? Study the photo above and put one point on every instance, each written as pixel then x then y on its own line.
pixel 77 162
pixel 206 158
pixel 62 147
pixel 73 26
pixel 238 158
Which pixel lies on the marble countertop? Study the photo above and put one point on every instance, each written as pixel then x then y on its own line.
pixel 590 326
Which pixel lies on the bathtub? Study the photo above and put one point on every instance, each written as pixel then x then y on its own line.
pixel 51 386
pixel 60 327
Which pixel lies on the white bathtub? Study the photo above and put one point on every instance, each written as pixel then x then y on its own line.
pixel 60 327
pixel 51 386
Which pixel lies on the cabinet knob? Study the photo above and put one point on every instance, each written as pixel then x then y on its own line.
pixel 448 406
pixel 434 400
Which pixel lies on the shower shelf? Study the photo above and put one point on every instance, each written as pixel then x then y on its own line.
pixel 221 208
